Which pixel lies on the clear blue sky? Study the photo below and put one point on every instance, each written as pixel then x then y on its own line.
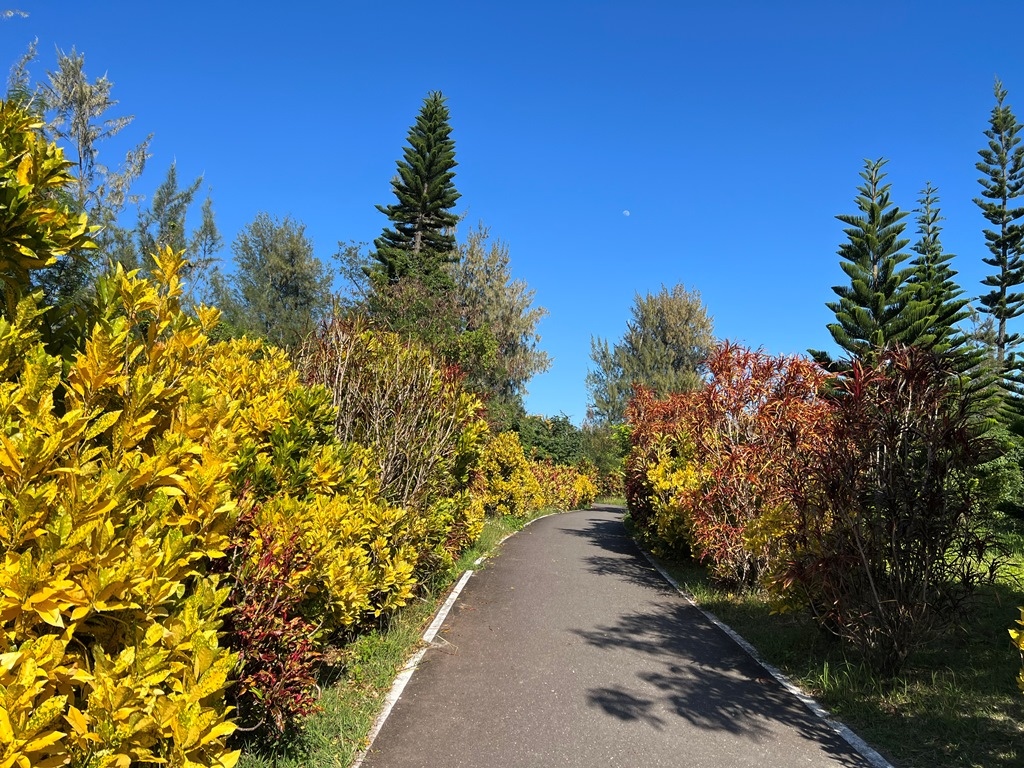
pixel 732 132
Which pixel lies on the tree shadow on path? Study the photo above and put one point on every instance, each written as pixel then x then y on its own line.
pixel 688 667
pixel 618 555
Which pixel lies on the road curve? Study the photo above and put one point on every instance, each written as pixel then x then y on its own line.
pixel 568 649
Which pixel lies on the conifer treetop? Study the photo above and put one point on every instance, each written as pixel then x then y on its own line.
pixel 879 304
pixel 421 237
pixel 1002 166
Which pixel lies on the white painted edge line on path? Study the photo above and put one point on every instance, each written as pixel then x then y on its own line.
pixel 405 675
pixel 851 738
pixel 435 625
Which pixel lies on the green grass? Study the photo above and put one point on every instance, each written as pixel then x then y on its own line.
pixel 955 704
pixel 334 736
pixel 351 700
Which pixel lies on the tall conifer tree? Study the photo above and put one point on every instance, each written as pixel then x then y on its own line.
pixel 421 238
pixel 934 278
pixel 1002 163
pixel 879 305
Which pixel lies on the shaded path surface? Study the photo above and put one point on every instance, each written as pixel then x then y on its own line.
pixel 568 649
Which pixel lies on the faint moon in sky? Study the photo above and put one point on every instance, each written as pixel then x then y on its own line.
pixel 625 213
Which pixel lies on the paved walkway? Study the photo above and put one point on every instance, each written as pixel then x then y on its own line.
pixel 568 649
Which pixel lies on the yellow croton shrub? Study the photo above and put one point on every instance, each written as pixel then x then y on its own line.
pixel 505 482
pixel 304 483
pixel 120 487
pixel 113 495
pixel 124 466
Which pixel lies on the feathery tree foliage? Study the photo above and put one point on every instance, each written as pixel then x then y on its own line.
pixel 19 82
pixel 879 305
pixel 1002 163
pixel 77 114
pixel 490 299
pixel 665 345
pixel 205 243
pixel 76 110
pixel 421 239
pixel 279 290
pixel 934 277
pixel 164 224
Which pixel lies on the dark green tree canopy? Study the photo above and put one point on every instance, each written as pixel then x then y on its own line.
pixel 279 289
pixel 1002 163
pixel 933 278
pixel 554 439
pixel 421 237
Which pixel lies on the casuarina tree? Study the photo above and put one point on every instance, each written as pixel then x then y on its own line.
pixel 279 290
pixel 667 340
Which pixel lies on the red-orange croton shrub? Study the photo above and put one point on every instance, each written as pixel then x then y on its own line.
pixel 721 469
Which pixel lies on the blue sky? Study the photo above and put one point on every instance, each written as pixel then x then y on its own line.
pixel 733 132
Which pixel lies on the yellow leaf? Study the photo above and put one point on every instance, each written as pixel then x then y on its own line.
pixel 154 634
pixel 51 615
pixel 45 713
pixel 9 456
pixel 44 741
pixel 77 720
pixel 80 612
pixel 6 732
pixel 24 169
pixel 8 660
pixel 220 730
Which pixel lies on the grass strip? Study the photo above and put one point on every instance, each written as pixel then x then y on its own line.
pixel 955 704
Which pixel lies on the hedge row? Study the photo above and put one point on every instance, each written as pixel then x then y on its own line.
pixel 858 497
pixel 189 525
pixel 508 483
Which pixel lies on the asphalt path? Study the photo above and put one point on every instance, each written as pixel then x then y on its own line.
pixel 569 649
